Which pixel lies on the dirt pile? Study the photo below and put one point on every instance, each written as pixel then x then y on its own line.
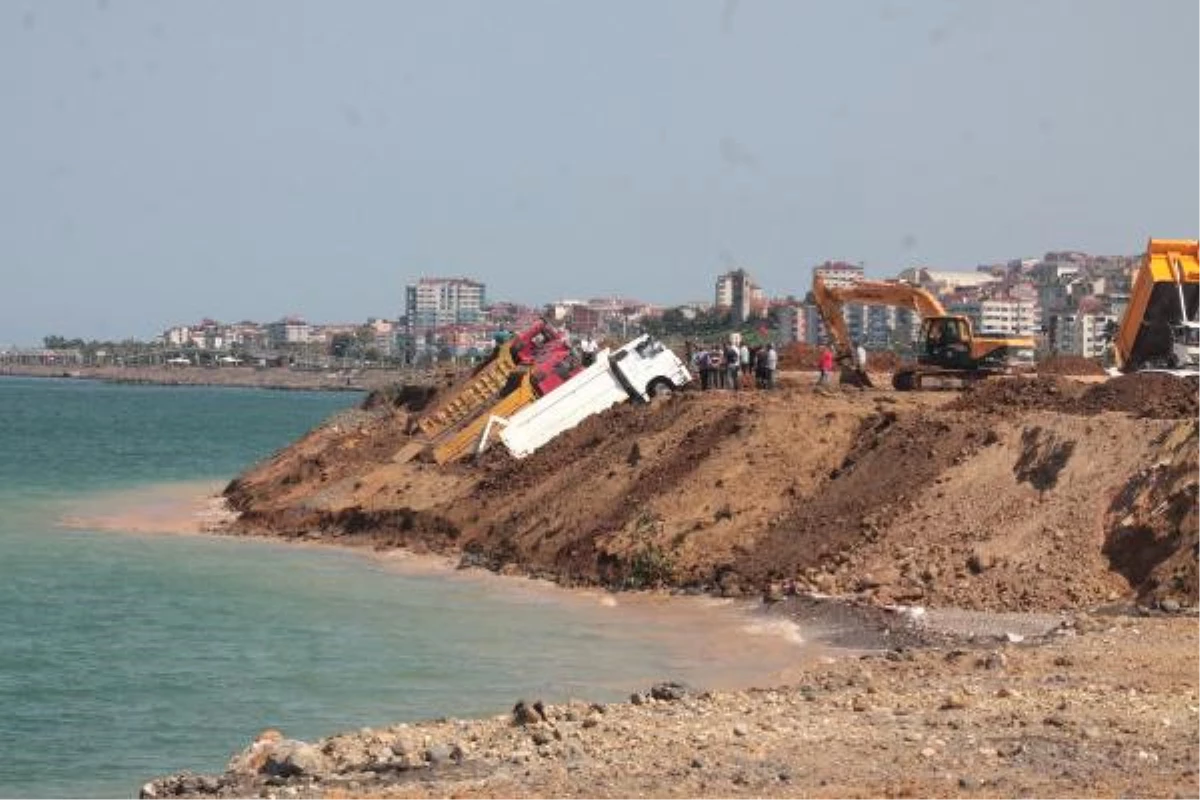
pixel 1012 496
pixel 1069 365
pixel 1152 529
pixel 1147 395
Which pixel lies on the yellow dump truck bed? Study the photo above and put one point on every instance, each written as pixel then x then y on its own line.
pixel 1144 336
pixel 470 395
pixel 462 442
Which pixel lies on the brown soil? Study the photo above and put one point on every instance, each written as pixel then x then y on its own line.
pixel 1069 365
pixel 1020 494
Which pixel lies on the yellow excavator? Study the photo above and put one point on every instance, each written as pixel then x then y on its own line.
pixel 948 348
pixel 1160 329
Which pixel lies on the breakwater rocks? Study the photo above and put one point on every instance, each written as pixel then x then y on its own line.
pixel 1100 706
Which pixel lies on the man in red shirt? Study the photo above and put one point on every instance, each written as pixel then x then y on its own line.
pixel 826 365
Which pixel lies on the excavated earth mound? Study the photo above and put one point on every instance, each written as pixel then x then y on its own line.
pixel 1148 395
pixel 1069 365
pixel 1020 494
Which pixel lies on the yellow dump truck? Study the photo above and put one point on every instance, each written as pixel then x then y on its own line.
pixel 1160 329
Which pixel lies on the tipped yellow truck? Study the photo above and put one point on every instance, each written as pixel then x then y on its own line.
pixel 1160 329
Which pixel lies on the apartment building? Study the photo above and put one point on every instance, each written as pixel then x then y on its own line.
pixel 288 331
pixel 432 303
pixel 737 292
pixel 1088 334
pixel 1003 315
pixel 838 273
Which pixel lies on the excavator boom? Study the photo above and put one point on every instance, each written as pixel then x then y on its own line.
pixel 882 293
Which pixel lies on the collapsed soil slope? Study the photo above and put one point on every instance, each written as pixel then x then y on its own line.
pixel 1023 494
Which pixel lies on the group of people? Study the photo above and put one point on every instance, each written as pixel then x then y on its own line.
pixel 734 366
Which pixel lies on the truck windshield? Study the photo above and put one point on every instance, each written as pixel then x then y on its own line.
pixel 650 348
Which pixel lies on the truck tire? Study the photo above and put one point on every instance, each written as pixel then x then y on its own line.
pixel 660 387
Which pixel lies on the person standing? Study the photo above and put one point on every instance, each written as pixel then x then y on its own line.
pixel 744 359
pixel 702 367
pixel 733 365
pixel 825 364
pixel 588 348
pixel 772 359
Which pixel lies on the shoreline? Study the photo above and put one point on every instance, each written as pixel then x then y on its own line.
pixel 273 378
pixel 926 716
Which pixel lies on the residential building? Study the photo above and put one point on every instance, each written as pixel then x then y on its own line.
pixel 432 303
pixel 737 292
pixel 287 331
pixel 1001 315
pixel 838 273
pixel 1089 335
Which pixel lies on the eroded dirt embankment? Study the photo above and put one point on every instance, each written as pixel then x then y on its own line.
pixel 1019 495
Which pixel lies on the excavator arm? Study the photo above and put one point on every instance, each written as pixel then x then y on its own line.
pixel 830 300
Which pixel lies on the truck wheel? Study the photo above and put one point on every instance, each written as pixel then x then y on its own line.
pixel 904 381
pixel 660 387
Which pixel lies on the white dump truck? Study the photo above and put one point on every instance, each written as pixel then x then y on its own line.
pixel 641 369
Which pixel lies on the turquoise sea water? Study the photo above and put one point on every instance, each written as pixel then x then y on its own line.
pixel 126 655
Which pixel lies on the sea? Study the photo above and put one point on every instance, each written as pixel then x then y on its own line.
pixel 133 646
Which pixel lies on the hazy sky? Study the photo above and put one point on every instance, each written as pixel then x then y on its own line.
pixel 164 161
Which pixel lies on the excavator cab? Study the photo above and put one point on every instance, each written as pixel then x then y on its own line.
pixel 945 342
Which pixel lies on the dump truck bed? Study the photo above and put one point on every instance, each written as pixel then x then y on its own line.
pixel 1144 337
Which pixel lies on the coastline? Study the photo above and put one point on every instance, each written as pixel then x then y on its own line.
pixel 274 378
pixel 918 713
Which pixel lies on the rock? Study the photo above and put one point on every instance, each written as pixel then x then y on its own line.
pixel 440 754
pixel 148 791
pixel 670 691
pixel 740 729
pixel 954 700
pixel 979 561
pixel 993 660
pixel 540 737
pixel 1014 638
pixel 291 758
pixel 526 714
pixel 1170 605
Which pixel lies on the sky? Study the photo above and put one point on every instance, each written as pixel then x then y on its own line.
pixel 165 161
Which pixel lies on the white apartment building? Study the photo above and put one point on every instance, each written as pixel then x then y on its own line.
pixel 435 302
pixel 838 273
pixel 1088 331
pixel 1010 316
